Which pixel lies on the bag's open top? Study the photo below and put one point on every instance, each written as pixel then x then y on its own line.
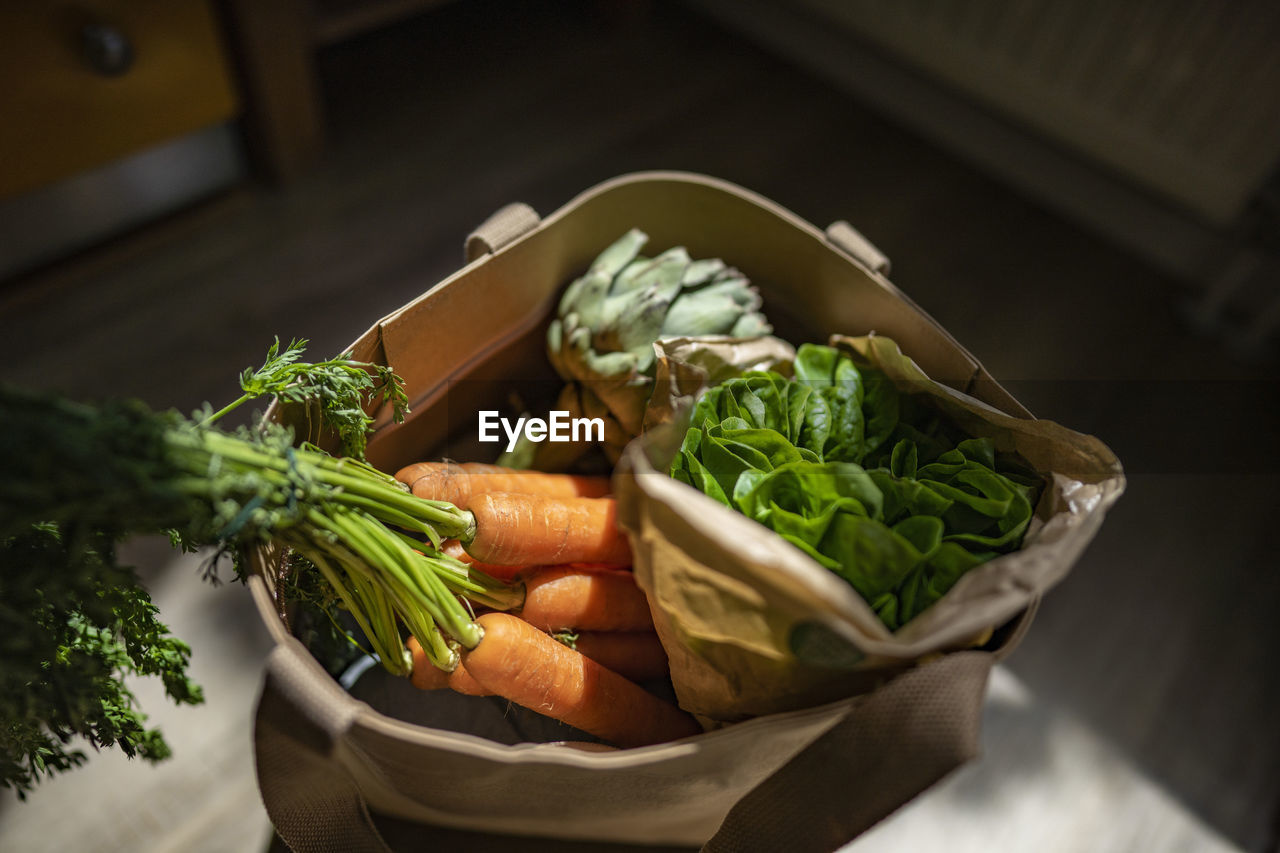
pixel 464 345
pixel 486 320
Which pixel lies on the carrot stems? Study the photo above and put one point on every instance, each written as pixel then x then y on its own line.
pixel 386 499
pixel 469 582
pixel 230 407
pixel 421 612
pixel 357 518
pixel 367 606
pixel 455 619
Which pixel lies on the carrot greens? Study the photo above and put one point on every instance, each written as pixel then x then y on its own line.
pixel 338 387
pixel 76 479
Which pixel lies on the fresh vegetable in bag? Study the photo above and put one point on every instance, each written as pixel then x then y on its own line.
pixel 601 339
pixel 78 478
pixel 870 483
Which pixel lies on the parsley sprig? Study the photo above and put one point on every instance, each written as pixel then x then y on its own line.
pixel 339 388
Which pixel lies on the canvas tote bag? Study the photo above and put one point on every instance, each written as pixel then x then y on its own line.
pixel 812 778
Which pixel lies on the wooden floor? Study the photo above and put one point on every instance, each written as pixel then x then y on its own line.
pixel 1158 654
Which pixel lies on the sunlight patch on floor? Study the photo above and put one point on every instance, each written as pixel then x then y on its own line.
pixel 1045 782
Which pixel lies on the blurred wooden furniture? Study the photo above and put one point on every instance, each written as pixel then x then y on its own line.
pixel 275 45
pixel 1151 123
pixel 115 113
pixel 90 83
pixel 118 113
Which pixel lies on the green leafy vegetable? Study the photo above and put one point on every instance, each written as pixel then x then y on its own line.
pixel 872 484
pixel 73 624
pixel 76 479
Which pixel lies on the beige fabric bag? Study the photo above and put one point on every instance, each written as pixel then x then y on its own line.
pixel 804 779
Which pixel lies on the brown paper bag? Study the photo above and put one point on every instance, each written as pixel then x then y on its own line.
pixel 805 779
pixel 730 598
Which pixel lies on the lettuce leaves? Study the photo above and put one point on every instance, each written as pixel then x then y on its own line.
pixel 872 484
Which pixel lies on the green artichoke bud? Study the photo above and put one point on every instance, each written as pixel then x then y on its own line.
pixel 601 340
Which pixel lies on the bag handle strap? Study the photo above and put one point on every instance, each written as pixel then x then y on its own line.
pixel 895 743
pixel 504 226
pixel 313 801
pixel 849 240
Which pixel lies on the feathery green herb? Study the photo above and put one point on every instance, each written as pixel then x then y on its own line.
pixel 338 387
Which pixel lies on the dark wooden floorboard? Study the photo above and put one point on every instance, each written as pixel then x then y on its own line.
pixel 1164 638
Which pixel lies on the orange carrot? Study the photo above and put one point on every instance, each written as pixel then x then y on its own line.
pixel 518 662
pixel 454 549
pixel 428 676
pixel 461 483
pixel 593 567
pixel 561 599
pixel 635 655
pixel 425 674
pixel 534 530
pixel 462 682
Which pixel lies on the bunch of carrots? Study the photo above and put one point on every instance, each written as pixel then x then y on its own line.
pixel 582 641
pixel 387 555
pixel 536 553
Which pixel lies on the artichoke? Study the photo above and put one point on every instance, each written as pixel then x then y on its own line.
pixel 601 340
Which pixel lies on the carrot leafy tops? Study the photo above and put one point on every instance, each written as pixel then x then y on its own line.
pixel 338 389
pixel 76 479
